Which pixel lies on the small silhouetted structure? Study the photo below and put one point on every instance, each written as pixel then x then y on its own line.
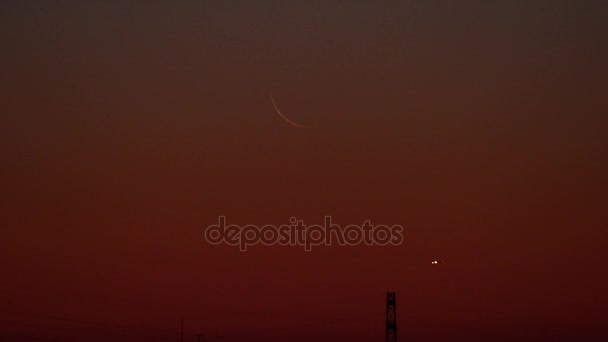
pixel 391 317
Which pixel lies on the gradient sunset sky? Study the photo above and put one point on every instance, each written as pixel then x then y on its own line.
pixel 127 127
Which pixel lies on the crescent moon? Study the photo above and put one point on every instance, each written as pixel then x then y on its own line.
pixel 284 117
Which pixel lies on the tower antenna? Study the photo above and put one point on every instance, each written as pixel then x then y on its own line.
pixel 391 317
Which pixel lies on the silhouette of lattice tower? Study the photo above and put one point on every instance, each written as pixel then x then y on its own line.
pixel 391 317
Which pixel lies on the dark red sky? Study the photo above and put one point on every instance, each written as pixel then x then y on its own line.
pixel 128 127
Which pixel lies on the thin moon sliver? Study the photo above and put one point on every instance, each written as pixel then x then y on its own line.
pixel 284 117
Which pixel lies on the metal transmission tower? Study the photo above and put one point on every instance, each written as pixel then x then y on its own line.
pixel 391 317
